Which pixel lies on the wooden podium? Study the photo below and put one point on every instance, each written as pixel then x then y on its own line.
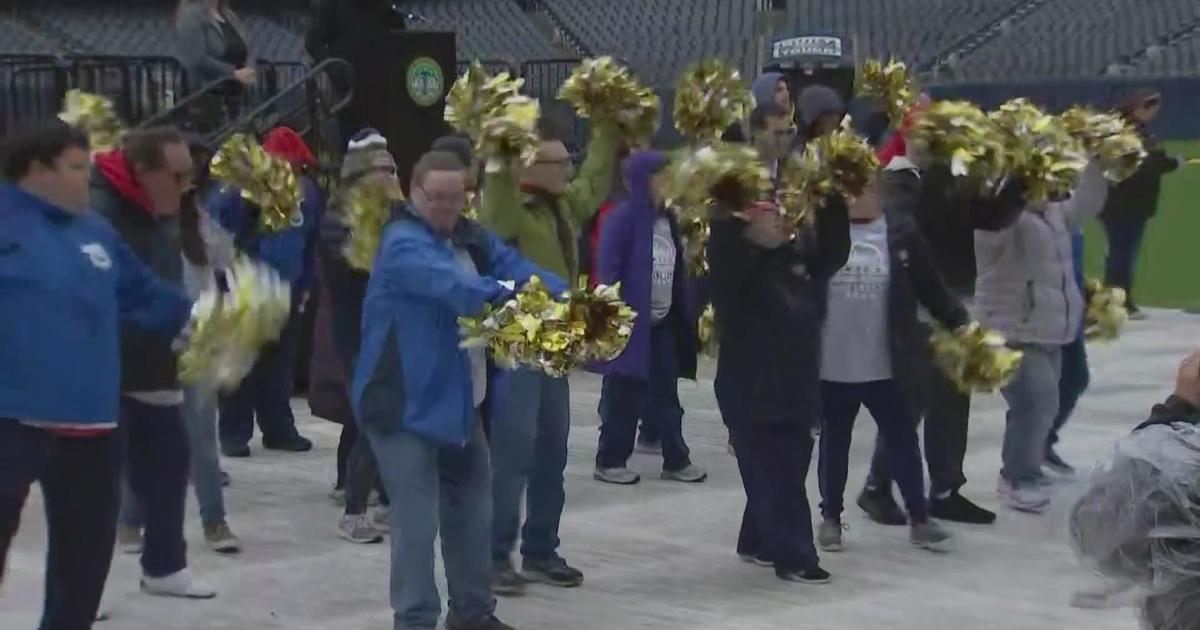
pixel 400 88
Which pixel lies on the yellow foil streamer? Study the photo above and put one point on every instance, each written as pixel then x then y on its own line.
pixel 840 163
pixel 368 209
pixel 1039 150
pixel 726 172
pixel 710 97
pixel 605 91
pixel 495 115
pixel 959 135
pixel 227 330
pixel 974 358
pixel 94 115
pixel 889 83
pixel 1106 311
pixel 265 180
pixel 710 336
pixel 1109 138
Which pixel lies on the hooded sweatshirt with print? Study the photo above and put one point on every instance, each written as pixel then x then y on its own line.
pixel 627 254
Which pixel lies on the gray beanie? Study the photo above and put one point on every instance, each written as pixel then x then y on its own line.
pixel 763 87
pixel 366 150
pixel 816 101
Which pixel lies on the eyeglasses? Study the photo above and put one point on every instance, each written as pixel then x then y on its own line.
pixel 445 199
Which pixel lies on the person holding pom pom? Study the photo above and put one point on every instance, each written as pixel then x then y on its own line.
pixel 68 282
pixel 873 344
pixel 417 393
pixel 541 208
pixel 1027 292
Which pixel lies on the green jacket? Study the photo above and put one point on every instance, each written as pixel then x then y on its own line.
pixel 545 234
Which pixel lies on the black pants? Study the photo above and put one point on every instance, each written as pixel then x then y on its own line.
pixel 625 400
pixel 947 413
pixel 156 452
pixel 1072 383
pixel 79 484
pixel 1124 244
pixel 358 472
pixel 777 522
pixel 265 394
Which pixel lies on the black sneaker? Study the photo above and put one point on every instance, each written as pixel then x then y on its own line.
pixel 233 449
pixel 958 509
pixel 490 623
pixel 881 507
pixel 1057 464
pixel 758 560
pixel 506 582
pixel 814 575
pixel 553 570
pixel 292 444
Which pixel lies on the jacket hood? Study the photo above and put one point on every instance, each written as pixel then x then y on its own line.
pixel 639 170
pixel 283 142
pixel 816 101
pixel 763 87
pixel 115 168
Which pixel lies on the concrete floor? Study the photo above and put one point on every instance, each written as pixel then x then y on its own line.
pixel 658 555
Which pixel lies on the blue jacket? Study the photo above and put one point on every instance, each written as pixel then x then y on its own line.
pixel 410 374
pixel 67 283
pixel 625 255
pixel 289 252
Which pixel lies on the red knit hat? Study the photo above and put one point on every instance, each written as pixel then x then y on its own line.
pixel 287 144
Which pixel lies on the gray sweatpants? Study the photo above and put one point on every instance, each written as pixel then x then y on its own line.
pixel 1032 398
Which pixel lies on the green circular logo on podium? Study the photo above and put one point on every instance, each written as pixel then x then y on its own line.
pixel 425 81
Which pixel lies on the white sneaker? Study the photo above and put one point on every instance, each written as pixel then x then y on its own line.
pixel 178 584
pixel 381 519
pixel 1031 499
pixel 357 528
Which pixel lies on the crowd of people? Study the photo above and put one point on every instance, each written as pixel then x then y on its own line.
pixel 101 257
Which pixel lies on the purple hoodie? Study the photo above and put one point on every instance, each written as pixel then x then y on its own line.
pixel 625 255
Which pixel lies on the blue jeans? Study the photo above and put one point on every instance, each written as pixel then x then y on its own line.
pixel 434 487
pixel 156 456
pixel 199 413
pixel 841 402
pixel 656 402
pixel 530 426
pixel 1124 244
pixel 1032 398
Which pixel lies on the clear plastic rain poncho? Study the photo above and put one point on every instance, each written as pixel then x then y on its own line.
pixel 1138 522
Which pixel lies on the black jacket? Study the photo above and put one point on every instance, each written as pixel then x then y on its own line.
pixel 948 217
pixel 1137 197
pixel 915 281
pixel 147 361
pixel 1174 409
pixel 769 306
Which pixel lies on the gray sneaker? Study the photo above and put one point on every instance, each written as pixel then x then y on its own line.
pixel 620 476
pixel 129 540
pixel 829 536
pixel 506 581
pixel 221 539
pixel 688 474
pixel 929 535
pixel 356 528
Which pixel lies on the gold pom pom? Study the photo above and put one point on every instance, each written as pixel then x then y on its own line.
pixel 890 84
pixel 1109 138
pixel 536 330
pixel 1039 150
pixel 605 91
pixel 495 115
pixel 840 163
pixel 724 172
pixel 709 335
pixel 368 209
pixel 1106 311
pixel 694 231
pixel 710 97
pixel 264 180
pixel 94 115
pixel 974 358
pixel 227 330
pixel 960 136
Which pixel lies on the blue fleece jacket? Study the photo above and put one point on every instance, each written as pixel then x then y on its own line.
pixel 411 375
pixel 290 252
pixel 67 283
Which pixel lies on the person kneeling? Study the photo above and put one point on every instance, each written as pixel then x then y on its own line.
pixel 417 394
pixel 871 345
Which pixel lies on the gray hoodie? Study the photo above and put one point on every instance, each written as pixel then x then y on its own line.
pixel 1026 287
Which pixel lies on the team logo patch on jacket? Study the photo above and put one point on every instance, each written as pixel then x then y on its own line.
pixel 98 255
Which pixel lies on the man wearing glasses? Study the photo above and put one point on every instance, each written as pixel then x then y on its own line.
pixel 139 188
pixel 540 209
